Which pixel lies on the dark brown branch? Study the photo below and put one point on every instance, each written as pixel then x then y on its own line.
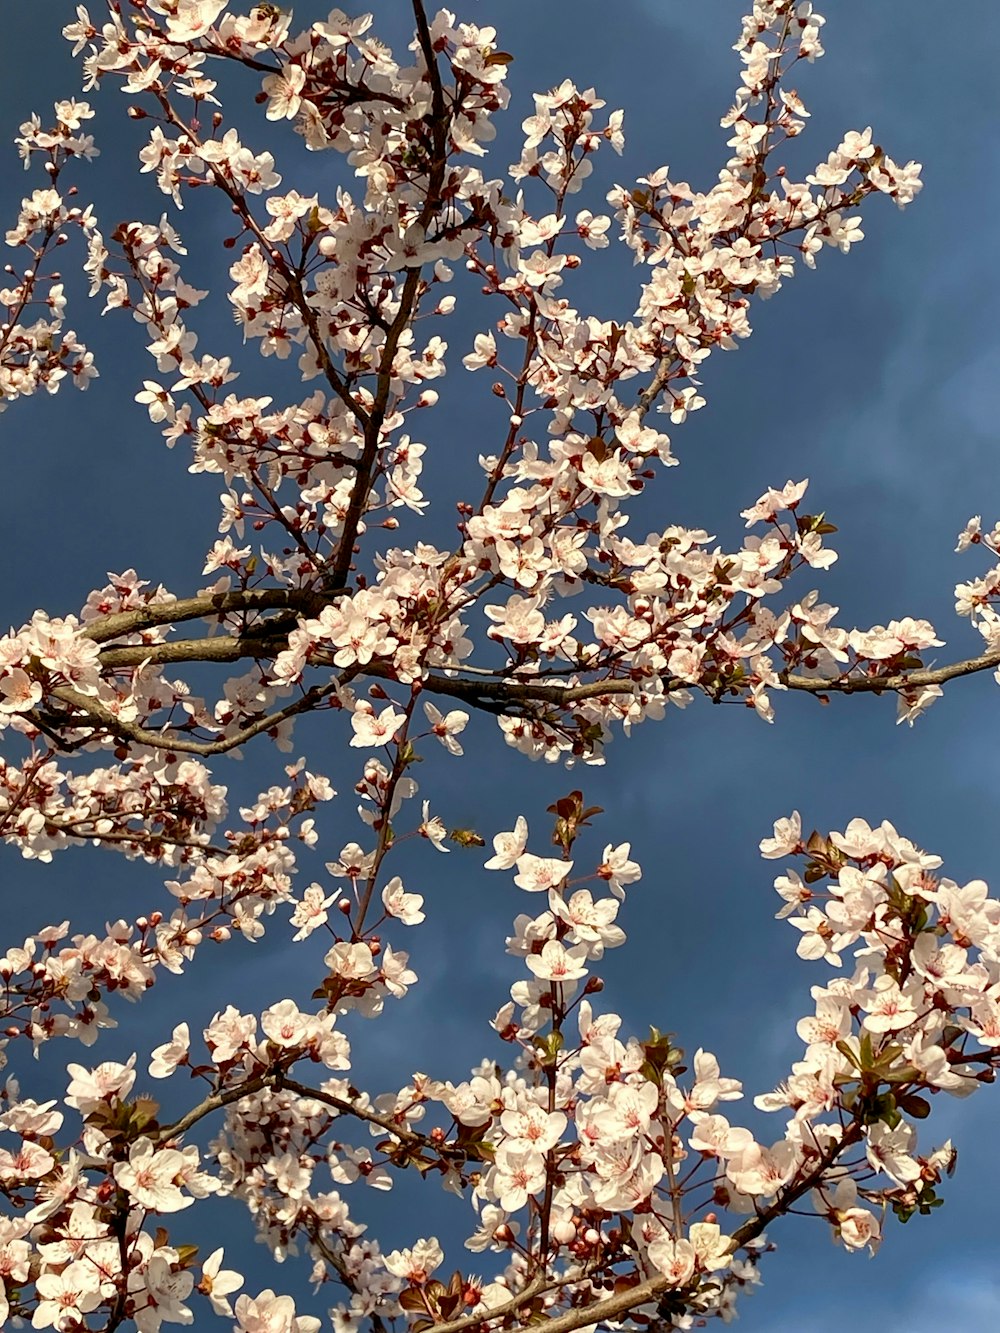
pixel 438 125
pixel 101 718
pixel 488 693
pixel 203 607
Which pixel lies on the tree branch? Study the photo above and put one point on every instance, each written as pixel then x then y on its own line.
pixel 196 608
pixel 909 680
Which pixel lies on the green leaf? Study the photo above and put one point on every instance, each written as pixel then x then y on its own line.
pixel 918 1107
pixel 849 1053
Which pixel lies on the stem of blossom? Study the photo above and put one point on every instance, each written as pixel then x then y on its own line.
pixel 338 1265
pixel 292 282
pixel 751 1230
pixel 27 775
pixel 439 128
pixel 517 413
pixel 215 1102
pixel 536 1287
pixel 275 508
pixel 517 410
pixel 411 1137
pixel 672 1184
pixel 157 740
pixel 384 833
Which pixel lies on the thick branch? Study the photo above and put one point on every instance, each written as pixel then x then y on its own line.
pixel 197 608
pixel 488 693
pixel 268 643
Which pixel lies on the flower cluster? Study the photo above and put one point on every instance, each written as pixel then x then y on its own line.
pixel 36 350
pixel 595 1161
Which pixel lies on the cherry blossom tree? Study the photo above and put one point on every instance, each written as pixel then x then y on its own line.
pixel 598 1174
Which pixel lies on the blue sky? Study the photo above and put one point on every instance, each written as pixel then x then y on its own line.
pixel 874 376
